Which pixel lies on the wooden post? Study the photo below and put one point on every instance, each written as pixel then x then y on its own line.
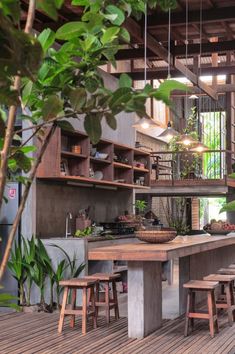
pixel 144 298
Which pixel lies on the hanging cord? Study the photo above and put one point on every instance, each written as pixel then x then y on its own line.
pixel 169 46
pixel 200 57
pixel 145 45
pixel 186 54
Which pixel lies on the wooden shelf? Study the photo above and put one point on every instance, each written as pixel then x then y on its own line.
pixel 59 152
pixel 118 269
pixel 140 169
pixel 121 165
pixel 72 155
pixel 101 161
pixel 92 181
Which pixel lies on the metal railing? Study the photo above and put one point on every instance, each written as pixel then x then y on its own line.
pixel 191 165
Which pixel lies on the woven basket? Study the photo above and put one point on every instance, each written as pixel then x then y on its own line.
pixel 157 236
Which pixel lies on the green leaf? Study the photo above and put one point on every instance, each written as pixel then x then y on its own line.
pixel 112 9
pixel 27 149
pixel 46 38
pixel 51 107
pixel 49 7
pixel 2 127
pixel 11 8
pixel 125 81
pixel 124 35
pixel 120 97
pixel 65 125
pixel 23 162
pixel 70 30
pixel 92 126
pixel 81 2
pixel 26 92
pixel 91 84
pixel 109 35
pixel 78 98
pixel 111 121
pixel 228 207
pixel 164 90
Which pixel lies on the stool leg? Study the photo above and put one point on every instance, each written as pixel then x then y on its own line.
pixel 84 310
pixel 107 302
pixel 73 305
pixel 215 312
pixel 115 299
pixel 192 308
pixel 187 313
pixel 92 299
pixel 210 311
pixel 64 301
pixel 232 299
pixel 229 303
pixel 97 297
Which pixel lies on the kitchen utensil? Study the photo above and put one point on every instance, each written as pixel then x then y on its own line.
pixel 158 236
pixel 101 155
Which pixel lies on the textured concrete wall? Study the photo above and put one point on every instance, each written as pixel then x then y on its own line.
pixel 54 201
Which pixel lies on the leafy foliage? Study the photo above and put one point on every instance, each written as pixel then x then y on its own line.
pixel 30 263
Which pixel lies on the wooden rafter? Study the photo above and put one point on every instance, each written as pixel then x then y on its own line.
pixel 157 48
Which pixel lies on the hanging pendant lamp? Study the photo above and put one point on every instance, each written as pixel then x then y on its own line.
pixel 187 140
pixel 199 147
pixel 169 132
pixel 145 122
pixel 193 97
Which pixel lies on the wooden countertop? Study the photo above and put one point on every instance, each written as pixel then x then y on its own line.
pixel 161 252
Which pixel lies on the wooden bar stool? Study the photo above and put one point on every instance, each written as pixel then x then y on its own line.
pixel 200 285
pixel 86 310
pixel 109 303
pixel 226 301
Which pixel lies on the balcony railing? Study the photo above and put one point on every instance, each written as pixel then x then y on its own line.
pixel 185 166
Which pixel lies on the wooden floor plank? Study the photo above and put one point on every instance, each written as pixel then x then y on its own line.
pixel 37 333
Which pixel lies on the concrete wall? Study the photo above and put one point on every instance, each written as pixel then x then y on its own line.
pixel 53 201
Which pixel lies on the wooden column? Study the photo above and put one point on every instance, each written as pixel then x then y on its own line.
pixel 144 298
pixel 195 206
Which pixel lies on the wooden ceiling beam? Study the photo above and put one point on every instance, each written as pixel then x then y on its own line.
pixel 157 48
pixel 193 49
pixel 178 18
pixel 161 73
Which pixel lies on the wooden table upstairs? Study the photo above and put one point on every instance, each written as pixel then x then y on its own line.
pixel 198 256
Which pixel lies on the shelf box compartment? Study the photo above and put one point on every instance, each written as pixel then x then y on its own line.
pixel 126 174
pixel 105 147
pixel 123 152
pixel 144 175
pixel 105 168
pixel 78 167
pixel 69 139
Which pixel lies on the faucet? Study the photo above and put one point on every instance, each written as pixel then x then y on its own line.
pixel 68 232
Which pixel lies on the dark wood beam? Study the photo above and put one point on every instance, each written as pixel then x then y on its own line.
pixel 159 73
pixel 193 49
pixel 220 89
pixel 157 20
pixel 159 50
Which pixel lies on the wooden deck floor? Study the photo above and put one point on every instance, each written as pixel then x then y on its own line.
pixel 37 333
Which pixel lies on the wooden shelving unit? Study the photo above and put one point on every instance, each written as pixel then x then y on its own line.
pixel 119 169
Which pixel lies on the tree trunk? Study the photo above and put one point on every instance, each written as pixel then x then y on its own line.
pixel 23 201
pixel 12 112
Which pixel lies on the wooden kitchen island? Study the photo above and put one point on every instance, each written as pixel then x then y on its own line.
pixel 198 256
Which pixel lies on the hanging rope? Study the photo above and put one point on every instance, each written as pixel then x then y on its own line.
pixel 145 44
pixel 169 45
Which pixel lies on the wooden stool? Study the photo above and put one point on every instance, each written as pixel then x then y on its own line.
pixel 109 303
pixel 227 299
pixel 74 284
pixel 200 285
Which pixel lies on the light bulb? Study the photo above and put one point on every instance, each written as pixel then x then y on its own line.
pixel 145 125
pixel 186 142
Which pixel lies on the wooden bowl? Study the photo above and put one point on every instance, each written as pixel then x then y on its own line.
pixel 156 236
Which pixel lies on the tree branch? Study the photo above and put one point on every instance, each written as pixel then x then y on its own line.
pixel 12 111
pixel 23 201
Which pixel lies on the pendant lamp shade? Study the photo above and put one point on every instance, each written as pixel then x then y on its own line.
pixel 145 123
pixel 186 140
pixel 193 97
pixel 169 132
pixel 199 147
